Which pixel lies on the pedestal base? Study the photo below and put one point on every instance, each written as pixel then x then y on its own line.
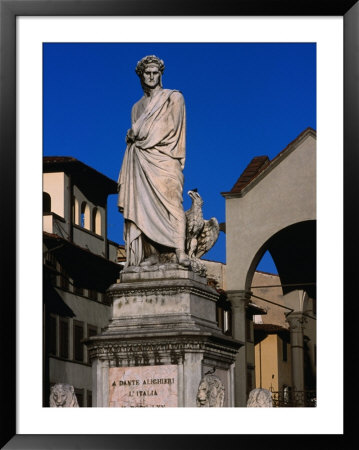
pixel 162 339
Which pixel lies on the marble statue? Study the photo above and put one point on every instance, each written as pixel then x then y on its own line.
pixel 63 396
pixel 210 392
pixel 150 183
pixel 201 234
pixel 260 398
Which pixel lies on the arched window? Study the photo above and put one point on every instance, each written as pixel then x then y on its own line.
pixel 85 216
pixel 96 226
pixel 46 202
pixel 75 211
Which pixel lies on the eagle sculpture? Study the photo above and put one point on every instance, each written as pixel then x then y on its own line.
pixel 201 234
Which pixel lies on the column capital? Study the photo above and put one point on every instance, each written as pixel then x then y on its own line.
pixel 239 297
pixel 296 321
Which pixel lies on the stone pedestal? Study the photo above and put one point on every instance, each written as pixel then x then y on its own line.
pixel 162 339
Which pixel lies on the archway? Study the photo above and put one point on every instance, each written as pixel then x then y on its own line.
pixel 293 250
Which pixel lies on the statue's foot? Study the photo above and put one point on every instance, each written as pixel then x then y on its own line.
pixel 150 261
pixel 182 258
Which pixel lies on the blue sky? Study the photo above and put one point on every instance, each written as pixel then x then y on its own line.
pixel 242 100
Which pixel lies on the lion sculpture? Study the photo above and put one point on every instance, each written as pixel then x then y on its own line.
pixel 63 396
pixel 210 392
pixel 260 398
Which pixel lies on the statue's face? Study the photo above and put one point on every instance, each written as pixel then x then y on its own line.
pixel 59 398
pixel 202 393
pixel 151 76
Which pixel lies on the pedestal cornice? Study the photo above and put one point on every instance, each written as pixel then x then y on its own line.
pixel 158 350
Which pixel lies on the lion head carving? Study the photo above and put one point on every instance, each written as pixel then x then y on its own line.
pixel 63 396
pixel 210 392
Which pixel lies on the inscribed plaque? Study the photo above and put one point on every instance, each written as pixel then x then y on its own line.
pixel 143 386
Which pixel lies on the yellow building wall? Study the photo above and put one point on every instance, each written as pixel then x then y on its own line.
pixel 271 371
pixel 284 367
pixel 266 363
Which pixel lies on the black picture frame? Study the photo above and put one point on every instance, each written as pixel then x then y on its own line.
pixel 9 10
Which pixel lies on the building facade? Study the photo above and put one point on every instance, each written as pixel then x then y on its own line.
pixel 80 263
pixel 272 207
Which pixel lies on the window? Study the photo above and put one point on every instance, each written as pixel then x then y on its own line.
pixel 78 337
pixel 64 338
pixel 96 226
pixel 46 203
pixel 64 279
pixel 85 216
pixel 51 264
pixel 92 294
pixel 53 335
pixel 91 331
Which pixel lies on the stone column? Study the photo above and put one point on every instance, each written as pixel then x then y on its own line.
pixel 100 383
pixel 296 327
pixel 239 301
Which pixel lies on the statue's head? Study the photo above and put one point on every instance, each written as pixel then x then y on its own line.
pixel 63 396
pixel 210 392
pixel 150 70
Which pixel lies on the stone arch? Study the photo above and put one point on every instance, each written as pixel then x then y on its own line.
pixel 293 249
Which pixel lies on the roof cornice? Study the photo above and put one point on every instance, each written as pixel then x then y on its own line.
pixel 267 168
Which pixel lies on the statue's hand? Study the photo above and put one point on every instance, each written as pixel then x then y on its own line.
pixel 130 136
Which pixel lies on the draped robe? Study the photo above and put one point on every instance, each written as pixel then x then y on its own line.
pixel 151 178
